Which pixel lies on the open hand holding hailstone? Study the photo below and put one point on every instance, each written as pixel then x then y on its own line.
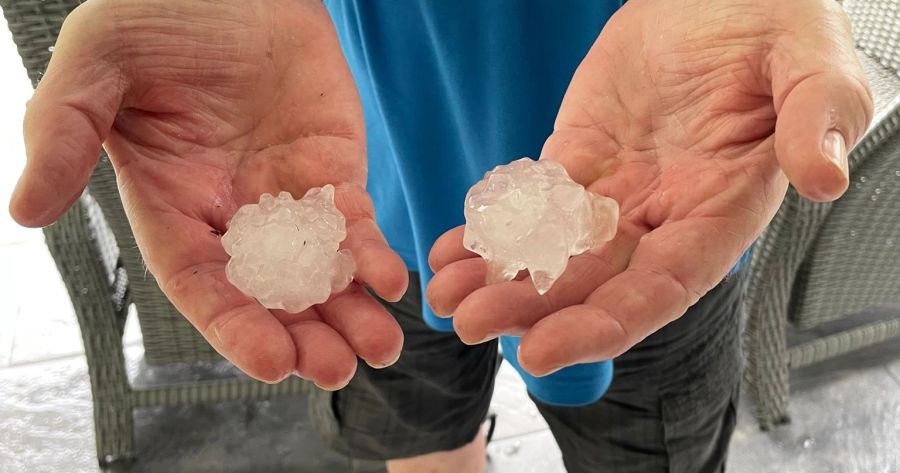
pixel 531 215
pixel 285 252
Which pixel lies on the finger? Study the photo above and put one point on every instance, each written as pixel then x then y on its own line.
pixel 238 327
pixel 378 266
pixel 449 248
pixel 66 122
pixel 188 262
pixel 671 268
pixel 323 355
pixel 453 283
pixel 511 308
pixel 821 98
pixel 372 333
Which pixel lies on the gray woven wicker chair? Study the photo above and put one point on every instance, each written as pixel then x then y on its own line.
pixel 817 263
pixel 98 260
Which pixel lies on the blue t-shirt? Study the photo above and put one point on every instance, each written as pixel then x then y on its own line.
pixel 451 89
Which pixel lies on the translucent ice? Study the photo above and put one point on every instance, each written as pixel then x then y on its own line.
pixel 531 215
pixel 284 252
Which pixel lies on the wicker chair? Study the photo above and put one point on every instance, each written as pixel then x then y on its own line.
pixel 818 263
pixel 98 260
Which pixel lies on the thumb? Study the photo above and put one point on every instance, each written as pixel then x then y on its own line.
pixel 66 122
pixel 821 97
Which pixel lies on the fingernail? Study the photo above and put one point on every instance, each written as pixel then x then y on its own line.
pixel 323 388
pixel 331 388
pixel 379 366
pixel 280 379
pixel 835 149
pixel 539 374
pixel 440 315
pixel 486 338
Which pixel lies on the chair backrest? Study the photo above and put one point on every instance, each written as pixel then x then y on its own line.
pixel 875 29
pixel 168 337
pixel 854 261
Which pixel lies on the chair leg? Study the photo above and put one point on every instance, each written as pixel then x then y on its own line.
pixel 114 431
pixel 772 390
pixel 767 369
pixel 79 264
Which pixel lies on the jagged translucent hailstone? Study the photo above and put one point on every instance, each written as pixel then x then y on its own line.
pixel 531 215
pixel 284 252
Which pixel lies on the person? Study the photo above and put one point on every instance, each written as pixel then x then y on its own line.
pixel 693 115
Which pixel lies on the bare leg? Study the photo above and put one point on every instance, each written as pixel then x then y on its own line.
pixel 469 458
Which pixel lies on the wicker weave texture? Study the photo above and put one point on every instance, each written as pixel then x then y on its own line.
pixel 855 262
pixel 843 342
pixel 818 262
pixel 71 243
pixel 35 24
pixel 168 336
pixel 876 27
pixel 95 253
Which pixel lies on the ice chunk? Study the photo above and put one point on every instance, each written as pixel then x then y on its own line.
pixel 531 215
pixel 284 252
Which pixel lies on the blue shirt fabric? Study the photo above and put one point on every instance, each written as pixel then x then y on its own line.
pixel 451 89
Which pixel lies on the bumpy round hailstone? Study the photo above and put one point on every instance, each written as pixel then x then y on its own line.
pixel 531 215
pixel 284 252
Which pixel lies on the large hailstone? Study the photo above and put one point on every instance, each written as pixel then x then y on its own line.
pixel 531 215
pixel 284 252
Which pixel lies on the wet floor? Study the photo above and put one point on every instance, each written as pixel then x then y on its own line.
pixel 846 413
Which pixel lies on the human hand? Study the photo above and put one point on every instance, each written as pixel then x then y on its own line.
pixel 693 116
pixel 202 107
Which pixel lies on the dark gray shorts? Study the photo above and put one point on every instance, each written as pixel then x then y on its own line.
pixel 670 408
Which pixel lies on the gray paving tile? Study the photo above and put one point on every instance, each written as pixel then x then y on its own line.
pixel 848 423
pixel 46 326
pixel 893 368
pixel 516 413
pixel 271 436
pixel 37 321
pixel 46 425
pixel 9 314
pixel 45 418
pixel 536 452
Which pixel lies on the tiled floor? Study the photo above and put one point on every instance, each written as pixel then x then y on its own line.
pixel 846 413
